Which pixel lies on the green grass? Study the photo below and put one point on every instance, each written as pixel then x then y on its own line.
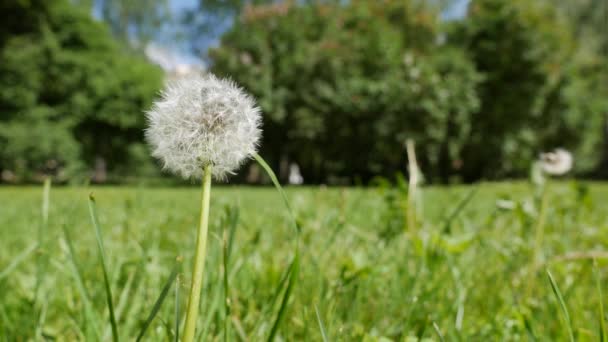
pixel 361 276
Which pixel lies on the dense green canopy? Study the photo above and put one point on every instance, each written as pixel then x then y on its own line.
pixel 70 95
pixel 344 85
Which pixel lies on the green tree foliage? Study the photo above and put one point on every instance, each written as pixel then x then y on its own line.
pixel 589 20
pixel 344 85
pixel 534 95
pixel 70 96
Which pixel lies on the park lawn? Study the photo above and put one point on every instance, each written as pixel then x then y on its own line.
pixel 363 275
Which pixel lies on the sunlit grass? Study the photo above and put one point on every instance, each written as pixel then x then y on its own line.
pixel 477 280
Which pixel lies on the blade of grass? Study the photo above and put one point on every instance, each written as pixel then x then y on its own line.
pixel 562 304
pixel 40 326
pixel 102 258
pixel 529 329
pixel 214 306
pixel 438 332
pixel 293 274
pixel 214 302
pixel 447 227
pixel 177 309
pixel 229 228
pixel 42 228
pixel 233 214
pixel 238 327
pixel 277 185
pixel 88 307
pixel 275 297
pixel 226 287
pixel 161 298
pixel 321 326
pixel 603 334
pixel 17 260
pixel 295 264
pixel 125 296
pixel 412 189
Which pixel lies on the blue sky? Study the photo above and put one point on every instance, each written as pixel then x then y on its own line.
pixel 182 49
pixel 458 10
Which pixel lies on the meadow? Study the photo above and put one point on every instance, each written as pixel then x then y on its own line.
pixel 473 268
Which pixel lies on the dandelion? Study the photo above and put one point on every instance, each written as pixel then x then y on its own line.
pixel 557 163
pixel 202 127
pixel 203 121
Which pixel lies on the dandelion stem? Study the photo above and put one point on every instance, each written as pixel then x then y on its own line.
pixel 537 253
pixel 199 260
pixel 412 186
pixel 540 227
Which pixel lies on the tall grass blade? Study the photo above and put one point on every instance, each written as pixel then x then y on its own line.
pixel 279 188
pixel 412 188
pixel 46 191
pixel 161 298
pixel 540 227
pixel 230 223
pixel 275 296
pixel 125 296
pixel 562 304
pixel 529 329
pixel 295 264
pixel 321 326
pixel 17 260
pixel 603 334
pixel 293 274
pixel 93 212
pixel 438 332
pixel 42 228
pixel 232 218
pixel 213 305
pixel 88 307
pixel 176 309
pixel 447 227
pixel 226 287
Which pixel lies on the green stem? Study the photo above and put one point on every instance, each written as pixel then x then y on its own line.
pixel 540 227
pixel 537 253
pixel 412 187
pixel 199 260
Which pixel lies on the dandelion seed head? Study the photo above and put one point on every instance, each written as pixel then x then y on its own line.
pixel 203 120
pixel 558 162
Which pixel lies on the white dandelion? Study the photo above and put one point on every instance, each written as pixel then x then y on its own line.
pixel 201 121
pixel 202 127
pixel 557 162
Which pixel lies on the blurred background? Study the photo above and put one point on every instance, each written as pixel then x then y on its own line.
pixel 481 86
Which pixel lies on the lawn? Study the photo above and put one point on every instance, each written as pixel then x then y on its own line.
pixel 473 268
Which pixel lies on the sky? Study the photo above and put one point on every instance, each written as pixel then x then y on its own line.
pixel 178 51
pixel 458 10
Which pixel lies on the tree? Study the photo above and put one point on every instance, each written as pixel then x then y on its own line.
pixel 589 20
pixel 530 90
pixel 343 85
pixel 70 94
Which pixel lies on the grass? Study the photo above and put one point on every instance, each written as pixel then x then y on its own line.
pixel 360 275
